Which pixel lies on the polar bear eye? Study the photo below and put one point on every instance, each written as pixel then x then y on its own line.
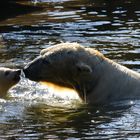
pixel 7 73
pixel 46 61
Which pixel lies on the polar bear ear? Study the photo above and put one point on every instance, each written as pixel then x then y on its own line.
pixel 84 68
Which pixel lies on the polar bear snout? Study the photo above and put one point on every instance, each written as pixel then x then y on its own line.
pixel 8 74
pixel 17 75
pixel 26 72
pixel 18 71
pixel 30 73
pixel 32 69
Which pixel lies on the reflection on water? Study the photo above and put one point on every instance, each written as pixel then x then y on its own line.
pixel 39 121
pixel 112 27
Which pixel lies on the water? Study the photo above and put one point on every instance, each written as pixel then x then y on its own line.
pixel 30 113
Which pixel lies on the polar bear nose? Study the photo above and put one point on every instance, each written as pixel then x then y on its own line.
pixel 27 72
pixel 18 71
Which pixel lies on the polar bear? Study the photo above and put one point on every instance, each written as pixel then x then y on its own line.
pixel 97 79
pixel 8 78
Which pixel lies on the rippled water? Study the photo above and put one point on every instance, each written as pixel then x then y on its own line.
pixel 31 113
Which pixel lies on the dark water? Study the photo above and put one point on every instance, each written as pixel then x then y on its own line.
pixel 112 27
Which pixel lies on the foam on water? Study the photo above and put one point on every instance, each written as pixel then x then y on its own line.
pixel 34 92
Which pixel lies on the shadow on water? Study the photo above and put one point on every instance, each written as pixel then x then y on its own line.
pixel 12 8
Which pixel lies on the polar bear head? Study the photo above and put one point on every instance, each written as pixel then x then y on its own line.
pixel 8 78
pixel 67 64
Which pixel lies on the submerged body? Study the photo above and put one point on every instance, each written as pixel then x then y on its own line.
pixel 96 79
pixel 8 78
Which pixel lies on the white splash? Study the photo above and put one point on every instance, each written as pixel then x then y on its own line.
pixel 47 93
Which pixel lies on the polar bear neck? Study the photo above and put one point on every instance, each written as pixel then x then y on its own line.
pixel 116 82
pixel 3 91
